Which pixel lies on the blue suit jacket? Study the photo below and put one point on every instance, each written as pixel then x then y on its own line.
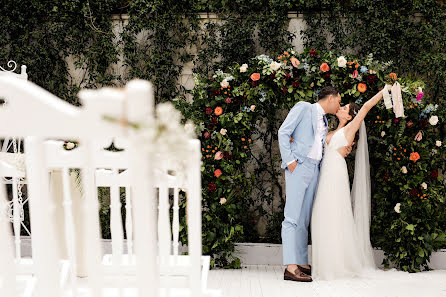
pixel 301 124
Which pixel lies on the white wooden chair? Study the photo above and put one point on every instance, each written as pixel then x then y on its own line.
pixel 51 118
pixel 12 164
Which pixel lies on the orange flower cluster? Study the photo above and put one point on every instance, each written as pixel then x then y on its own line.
pixel 422 197
pixel 379 122
pixel 285 56
pixel 228 91
pixel 413 104
pixel 209 150
pixel 401 152
pixel 244 140
pixel 414 157
pixel 350 64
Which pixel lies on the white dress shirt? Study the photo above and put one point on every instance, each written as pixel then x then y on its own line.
pixel 316 150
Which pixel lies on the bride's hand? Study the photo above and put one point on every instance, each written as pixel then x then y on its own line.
pixel 346 150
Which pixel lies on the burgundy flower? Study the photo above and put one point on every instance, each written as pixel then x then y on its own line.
pixel 210 127
pixel 273 76
pixel 208 110
pixel 347 85
pixel 396 121
pixel 434 174
pixel 255 83
pixel 423 123
pixel 313 52
pixel 326 75
pixel 206 135
pixel 214 120
pixel 371 79
pixel 413 192
pixel 212 186
pixel 215 92
pixel 285 89
pixel 295 84
pixel 228 100
pixel 386 177
pixel 288 76
pixel 227 155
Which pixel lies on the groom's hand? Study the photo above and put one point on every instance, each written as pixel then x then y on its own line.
pixel 292 166
pixel 344 151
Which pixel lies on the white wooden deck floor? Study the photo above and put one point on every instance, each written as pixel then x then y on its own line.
pixel 267 281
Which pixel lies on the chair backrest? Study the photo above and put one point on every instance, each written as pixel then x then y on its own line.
pixel 48 117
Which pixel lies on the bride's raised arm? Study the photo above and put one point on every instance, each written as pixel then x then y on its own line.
pixel 354 125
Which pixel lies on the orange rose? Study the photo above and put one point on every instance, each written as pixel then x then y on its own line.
pixel 324 67
pixel 362 87
pixel 393 76
pixel 217 173
pixel 255 76
pixel 414 157
pixel 218 110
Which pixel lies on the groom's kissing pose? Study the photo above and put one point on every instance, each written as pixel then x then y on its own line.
pixel 307 125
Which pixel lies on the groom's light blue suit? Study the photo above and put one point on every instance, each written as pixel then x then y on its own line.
pixel 301 124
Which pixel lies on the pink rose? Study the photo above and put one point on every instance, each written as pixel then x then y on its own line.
pixel 218 155
pixel 420 95
pixel 419 136
pixel 355 74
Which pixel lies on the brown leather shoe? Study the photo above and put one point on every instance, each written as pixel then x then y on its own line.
pixel 297 276
pixel 305 270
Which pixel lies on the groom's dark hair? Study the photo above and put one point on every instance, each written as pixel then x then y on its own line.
pixel 327 91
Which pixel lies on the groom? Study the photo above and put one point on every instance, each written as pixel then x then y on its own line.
pixel 307 124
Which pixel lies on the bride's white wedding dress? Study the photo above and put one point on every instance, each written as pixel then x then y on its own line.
pixel 339 247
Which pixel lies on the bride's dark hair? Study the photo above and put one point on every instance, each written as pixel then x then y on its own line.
pixel 353 110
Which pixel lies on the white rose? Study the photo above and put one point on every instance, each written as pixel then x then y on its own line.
pixel 420 89
pixel 222 201
pixel 404 169
pixel 433 120
pixel 397 208
pixel 224 83
pixel 253 107
pixel 70 145
pixel 342 62
pixel 383 133
pixel 372 71
pixel 243 68
pixel 275 65
pixel 424 186
pixel 438 143
pixel 223 131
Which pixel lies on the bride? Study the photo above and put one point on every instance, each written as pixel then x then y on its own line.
pixel 340 235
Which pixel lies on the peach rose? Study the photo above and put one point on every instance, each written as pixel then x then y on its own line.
pixel 255 76
pixel 295 62
pixel 218 110
pixel 324 67
pixel 217 173
pixel 362 87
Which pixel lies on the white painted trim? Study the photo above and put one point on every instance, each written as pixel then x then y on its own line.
pixel 258 253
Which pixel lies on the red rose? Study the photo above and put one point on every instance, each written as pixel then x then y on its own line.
pixel 413 192
pixel 313 52
pixel 396 121
pixel 284 89
pixel 295 84
pixel 434 174
pixel 227 155
pixel 212 186
pixel 214 120
pixel 208 110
